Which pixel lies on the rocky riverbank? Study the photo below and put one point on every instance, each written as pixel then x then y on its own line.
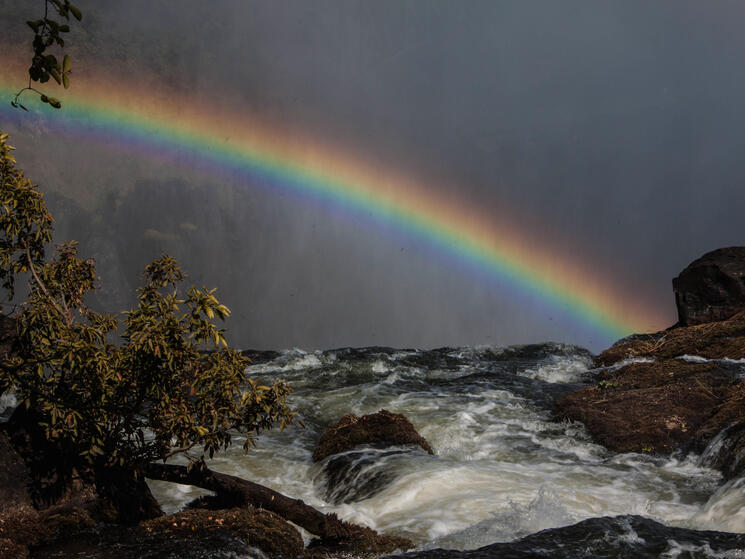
pixel 683 387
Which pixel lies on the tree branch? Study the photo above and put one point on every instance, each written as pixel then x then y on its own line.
pixel 327 526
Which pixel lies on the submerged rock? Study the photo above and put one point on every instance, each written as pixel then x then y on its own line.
pixel 357 475
pixel 380 430
pixel 711 288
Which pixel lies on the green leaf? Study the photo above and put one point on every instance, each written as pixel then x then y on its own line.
pixel 76 12
pixel 66 80
pixel 66 63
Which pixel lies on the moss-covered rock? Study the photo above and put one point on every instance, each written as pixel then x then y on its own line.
pixel 673 401
pixel 713 340
pixel 380 430
pixel 650 406
pixel 257 528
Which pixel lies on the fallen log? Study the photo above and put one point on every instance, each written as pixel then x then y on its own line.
pixel 247 493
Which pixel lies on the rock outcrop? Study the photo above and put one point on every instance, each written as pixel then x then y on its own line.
pixel 380 430
pixel 651 407
pixel 714 340
pixel 682 387
pixel 711 288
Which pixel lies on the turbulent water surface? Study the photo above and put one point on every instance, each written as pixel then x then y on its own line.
pixel 502 470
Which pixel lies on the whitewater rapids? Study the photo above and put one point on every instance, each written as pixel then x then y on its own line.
pixel 502 470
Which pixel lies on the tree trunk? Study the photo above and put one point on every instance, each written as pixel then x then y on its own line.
pixel 247 493
pixel 129 497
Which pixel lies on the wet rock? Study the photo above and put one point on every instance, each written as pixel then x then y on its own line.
pixel 621 536
pixel 712 340
pixel 380 430
pixel 711 288
pixel 257 528
pixel 192 534
pixel 721 439
pixel 121 542
pixel 651 407
pixel 690 395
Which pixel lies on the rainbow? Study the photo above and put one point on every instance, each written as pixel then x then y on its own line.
pixel 155 120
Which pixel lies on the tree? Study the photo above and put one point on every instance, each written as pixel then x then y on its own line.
pixel 171 385
pixel 110 398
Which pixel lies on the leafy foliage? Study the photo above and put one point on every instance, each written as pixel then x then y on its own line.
pixel 119 391
pixel 45 65
pixel 25 223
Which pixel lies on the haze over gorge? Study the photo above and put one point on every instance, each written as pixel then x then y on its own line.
pixel 443 234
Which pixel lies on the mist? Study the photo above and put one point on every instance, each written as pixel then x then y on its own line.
pixel 613 130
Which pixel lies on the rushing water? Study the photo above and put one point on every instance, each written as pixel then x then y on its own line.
pixel 503 469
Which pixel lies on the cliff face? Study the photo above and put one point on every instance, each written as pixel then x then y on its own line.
pixel 682 387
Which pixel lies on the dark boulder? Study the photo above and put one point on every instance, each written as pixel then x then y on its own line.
pixel 602 537
pixel 380 430
pixel 711 288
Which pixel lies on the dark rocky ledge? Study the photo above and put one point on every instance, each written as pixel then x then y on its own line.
pixel 683 387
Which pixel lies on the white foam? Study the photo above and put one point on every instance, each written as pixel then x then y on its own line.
pixel 693 358
pixel 380 366
pixel 676 550
pixel 560 369
pixel 699 359
pixel 628 361
pixel 495 451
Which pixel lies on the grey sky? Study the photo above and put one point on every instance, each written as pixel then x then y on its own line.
pixel 614 127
